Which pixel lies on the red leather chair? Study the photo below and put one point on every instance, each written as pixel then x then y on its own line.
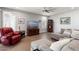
pixel 8 36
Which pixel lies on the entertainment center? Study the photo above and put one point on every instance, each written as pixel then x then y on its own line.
pixel 32 31
pixel 32 28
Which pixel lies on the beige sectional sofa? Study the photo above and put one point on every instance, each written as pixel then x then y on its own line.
pixel 62 34
pixel 70 43
pixel 72 46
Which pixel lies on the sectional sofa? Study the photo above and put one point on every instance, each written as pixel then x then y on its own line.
pixel 68 41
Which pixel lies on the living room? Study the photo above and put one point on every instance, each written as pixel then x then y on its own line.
pixel 17 20
pixel 39 29
pixel 39 24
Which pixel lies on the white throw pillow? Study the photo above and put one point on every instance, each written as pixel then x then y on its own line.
pixel 67 32
pixel 57 46
pixel 75 34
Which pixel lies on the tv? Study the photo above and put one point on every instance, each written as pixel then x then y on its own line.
pixel 33 24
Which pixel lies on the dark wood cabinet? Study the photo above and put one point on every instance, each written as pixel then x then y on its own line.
pixel 50 25
pixel 32 31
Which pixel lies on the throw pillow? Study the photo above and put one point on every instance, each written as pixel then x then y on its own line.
pixel 75 34
pixel 67 32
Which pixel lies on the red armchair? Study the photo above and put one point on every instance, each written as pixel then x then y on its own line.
pixel 8 36
pixel 0 34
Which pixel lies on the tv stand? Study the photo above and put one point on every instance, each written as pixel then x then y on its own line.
pixel 32 31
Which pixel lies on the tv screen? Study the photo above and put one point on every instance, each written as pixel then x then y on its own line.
pixel 33 24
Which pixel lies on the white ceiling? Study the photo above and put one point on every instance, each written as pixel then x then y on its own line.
pixel 38 10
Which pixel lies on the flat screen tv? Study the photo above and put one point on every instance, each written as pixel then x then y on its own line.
pixel 33 24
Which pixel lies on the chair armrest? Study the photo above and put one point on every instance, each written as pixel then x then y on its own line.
pixel 16 33
pixel 5 37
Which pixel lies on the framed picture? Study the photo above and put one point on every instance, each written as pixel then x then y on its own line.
pixel 65 20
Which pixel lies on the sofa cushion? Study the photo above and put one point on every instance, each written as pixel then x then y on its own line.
pixel 57 36
pixel 67 32
pixel 72 46
pixel 75 34
pixel 57 46
pixel 16 33
pixel 10 34
pixel 16 36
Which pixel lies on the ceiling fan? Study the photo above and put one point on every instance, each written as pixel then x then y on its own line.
pixel 48 9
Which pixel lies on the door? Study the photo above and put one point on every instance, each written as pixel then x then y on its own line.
pixel 50 26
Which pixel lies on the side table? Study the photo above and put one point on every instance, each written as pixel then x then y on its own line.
pixel 22 33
